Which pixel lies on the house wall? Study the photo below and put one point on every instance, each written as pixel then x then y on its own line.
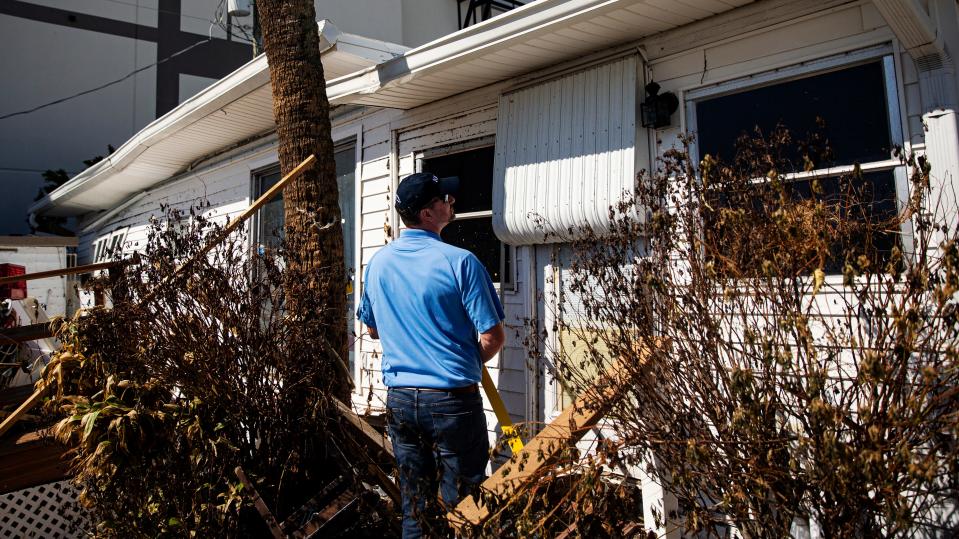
pixel 745 43
pixel 391 142
pixel 785 33
pixel 226 185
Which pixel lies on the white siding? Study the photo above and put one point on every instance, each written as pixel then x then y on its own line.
pixel 50 293
pixel 225 186
pixel 565 151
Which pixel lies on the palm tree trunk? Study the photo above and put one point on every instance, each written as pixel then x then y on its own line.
pixel 316 281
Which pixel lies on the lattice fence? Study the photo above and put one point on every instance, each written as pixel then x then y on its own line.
pixel 47 511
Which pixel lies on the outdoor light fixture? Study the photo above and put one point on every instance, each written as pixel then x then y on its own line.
pixel 658 108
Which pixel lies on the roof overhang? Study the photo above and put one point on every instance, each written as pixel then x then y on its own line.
pixel 234 109
pixel 239 107
pixel 537 35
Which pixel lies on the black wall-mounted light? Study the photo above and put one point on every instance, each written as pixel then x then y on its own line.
pixel 658 108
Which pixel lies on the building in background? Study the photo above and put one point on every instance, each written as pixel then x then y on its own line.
pixel 85 74
pixel 54 295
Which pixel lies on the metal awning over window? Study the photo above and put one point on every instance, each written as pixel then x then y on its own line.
pixel 565 152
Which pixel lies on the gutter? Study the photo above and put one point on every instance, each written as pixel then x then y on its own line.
pixel 912 25
pixel 498 32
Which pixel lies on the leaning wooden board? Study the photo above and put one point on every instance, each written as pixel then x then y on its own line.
pixel 545 448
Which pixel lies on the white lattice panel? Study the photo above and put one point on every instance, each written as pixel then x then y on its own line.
pixel 47 511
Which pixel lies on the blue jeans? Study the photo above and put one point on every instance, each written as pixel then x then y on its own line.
pixel 440 441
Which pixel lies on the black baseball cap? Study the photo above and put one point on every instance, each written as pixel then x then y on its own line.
pixel 417 190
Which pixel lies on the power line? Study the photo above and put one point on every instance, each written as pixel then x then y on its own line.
pixel 102 86
pixel 18 169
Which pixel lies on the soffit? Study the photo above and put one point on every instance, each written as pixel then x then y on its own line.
pixel 536 36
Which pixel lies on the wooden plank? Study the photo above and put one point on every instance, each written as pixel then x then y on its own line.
pixel 30 460
pixel 345 502
pixel 260 505
pixel 11 397
pixel 232 225
pixel 381 441
pixel 544 449
pixel 314 504
pixel 89 268
pixel 38 394
pixel 31 332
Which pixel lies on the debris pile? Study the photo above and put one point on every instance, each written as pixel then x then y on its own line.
pixel 187 377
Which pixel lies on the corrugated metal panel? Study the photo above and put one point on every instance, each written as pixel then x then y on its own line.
pixel 565 151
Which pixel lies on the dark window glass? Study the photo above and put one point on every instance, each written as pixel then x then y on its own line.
pixel 850 102
pixel 476 235
pixel 475 171
pixel 870 202
pixel 270 217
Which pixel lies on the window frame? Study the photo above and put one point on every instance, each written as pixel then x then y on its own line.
pixel 506 250
pixel 257 176
pixel 886 54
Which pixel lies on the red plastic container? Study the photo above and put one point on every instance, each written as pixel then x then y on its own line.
pixel 15 290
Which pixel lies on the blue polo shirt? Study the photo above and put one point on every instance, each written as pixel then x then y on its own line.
pixel 428 301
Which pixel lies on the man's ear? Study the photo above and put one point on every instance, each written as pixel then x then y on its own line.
pixel 425 214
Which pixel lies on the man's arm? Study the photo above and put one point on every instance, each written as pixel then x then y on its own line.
pixel 492 341
pixel 372 331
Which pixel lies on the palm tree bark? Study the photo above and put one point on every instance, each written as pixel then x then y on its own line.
pixel 316 280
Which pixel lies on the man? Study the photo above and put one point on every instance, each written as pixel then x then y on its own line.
pixel 427 301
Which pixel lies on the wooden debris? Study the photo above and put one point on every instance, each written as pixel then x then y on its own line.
pixel 41 390
pixel 542 450
pixel 336 499
pixel 372 435
pixel 21 334
pixel 29 460
pixel 260 505
pixel 89 268
pixel 379 442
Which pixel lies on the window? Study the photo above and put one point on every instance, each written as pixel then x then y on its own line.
pixel 268 224
pixel 851 100
pixel 473 227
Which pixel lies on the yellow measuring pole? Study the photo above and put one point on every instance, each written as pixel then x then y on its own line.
pixel 505 423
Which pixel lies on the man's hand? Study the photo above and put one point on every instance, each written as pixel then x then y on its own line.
pixel 492 341
pixel 372 332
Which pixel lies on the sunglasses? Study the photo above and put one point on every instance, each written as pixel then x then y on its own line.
pixel 445 199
